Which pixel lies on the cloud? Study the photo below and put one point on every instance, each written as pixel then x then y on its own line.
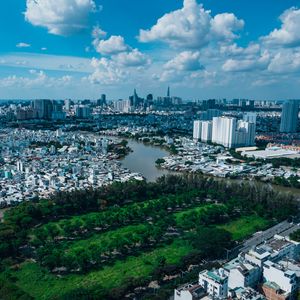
pixel 224 25
pixel 47 62
pixel 60 17
pixel 185 61
pixel 235 50
pixel 23 45
pixel 192 27
pixel 285 61
pixel 133 58
pixel 246 64
pixel 36 80
pixel 117 51
pixel 98 33
pixel 106 72
pixel 289 34
pixel 114 45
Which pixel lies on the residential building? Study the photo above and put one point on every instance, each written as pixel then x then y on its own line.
pixel 206 131
pixel 214 282
pixel 250 117
pixel 244 275
pixel 230 133
pixel 284 278
pixel 223 131
pixel 197 130
pixel 189 292
pixel 43 108
pixel 289 116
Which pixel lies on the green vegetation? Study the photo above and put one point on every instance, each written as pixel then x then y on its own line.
pixel 295 236
pixel 245 226
pixel 44 285
pixel 160 161
pixel 292 181
pixel 104 243
pixel 289 162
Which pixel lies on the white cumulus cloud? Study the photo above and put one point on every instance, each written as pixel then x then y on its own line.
pixel 235 50
pixel 289 34
pixel 185 61
pixel 114 45
pixel 60 17
pixel 246 64
pixel 106 72
pixel 192 27
pixel 285 61
pixel 134 58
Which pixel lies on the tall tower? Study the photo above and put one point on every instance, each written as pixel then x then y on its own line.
pixel 289 116
pixel 168 92
pixel 135 98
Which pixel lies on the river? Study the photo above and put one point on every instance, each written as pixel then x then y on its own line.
pixel 142 160
pixel 143 157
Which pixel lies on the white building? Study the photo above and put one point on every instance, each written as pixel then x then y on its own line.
pixel 214 282
pixel 20 167
pixel 206 131
pixel 284 278
pixel 223 131
pixel 244 275
pixel 231 133
pixel 123 106
pixel 189 292
pixel 257 256
pixel 289 116
pixel 245 134
pixel 197 130
pixel 273 250
pixel 245 294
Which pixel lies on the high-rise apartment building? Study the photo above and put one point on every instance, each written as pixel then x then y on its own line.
pixel 223 131
pixel 289 116
pixel 231 133
pixel 206 131
pixel 250 117
pixel 197 130
pixel 43 108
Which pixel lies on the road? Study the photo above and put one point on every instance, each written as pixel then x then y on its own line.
pixel 284 228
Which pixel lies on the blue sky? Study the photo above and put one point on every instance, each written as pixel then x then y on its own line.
pixel 82 48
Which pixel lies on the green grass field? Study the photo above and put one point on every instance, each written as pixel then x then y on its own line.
pixel 107 237
pixel 42 285
pixel 245 226
pixel 198 209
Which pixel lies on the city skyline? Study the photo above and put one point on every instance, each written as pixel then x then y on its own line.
pixel 202 49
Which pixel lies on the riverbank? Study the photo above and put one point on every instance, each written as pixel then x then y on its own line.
pixel 143 157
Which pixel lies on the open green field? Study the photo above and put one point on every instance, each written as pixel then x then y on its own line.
pixel 199 209
pixel 245 226
pixel 108 238
pixel 107 242
pixel 42 285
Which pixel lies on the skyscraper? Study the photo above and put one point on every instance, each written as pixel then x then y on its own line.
pixel 231 133
pixel 206 131
pixel 197 130
pixel 168 92
pixel 289 116
pixel 250 117
pixel 43 108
